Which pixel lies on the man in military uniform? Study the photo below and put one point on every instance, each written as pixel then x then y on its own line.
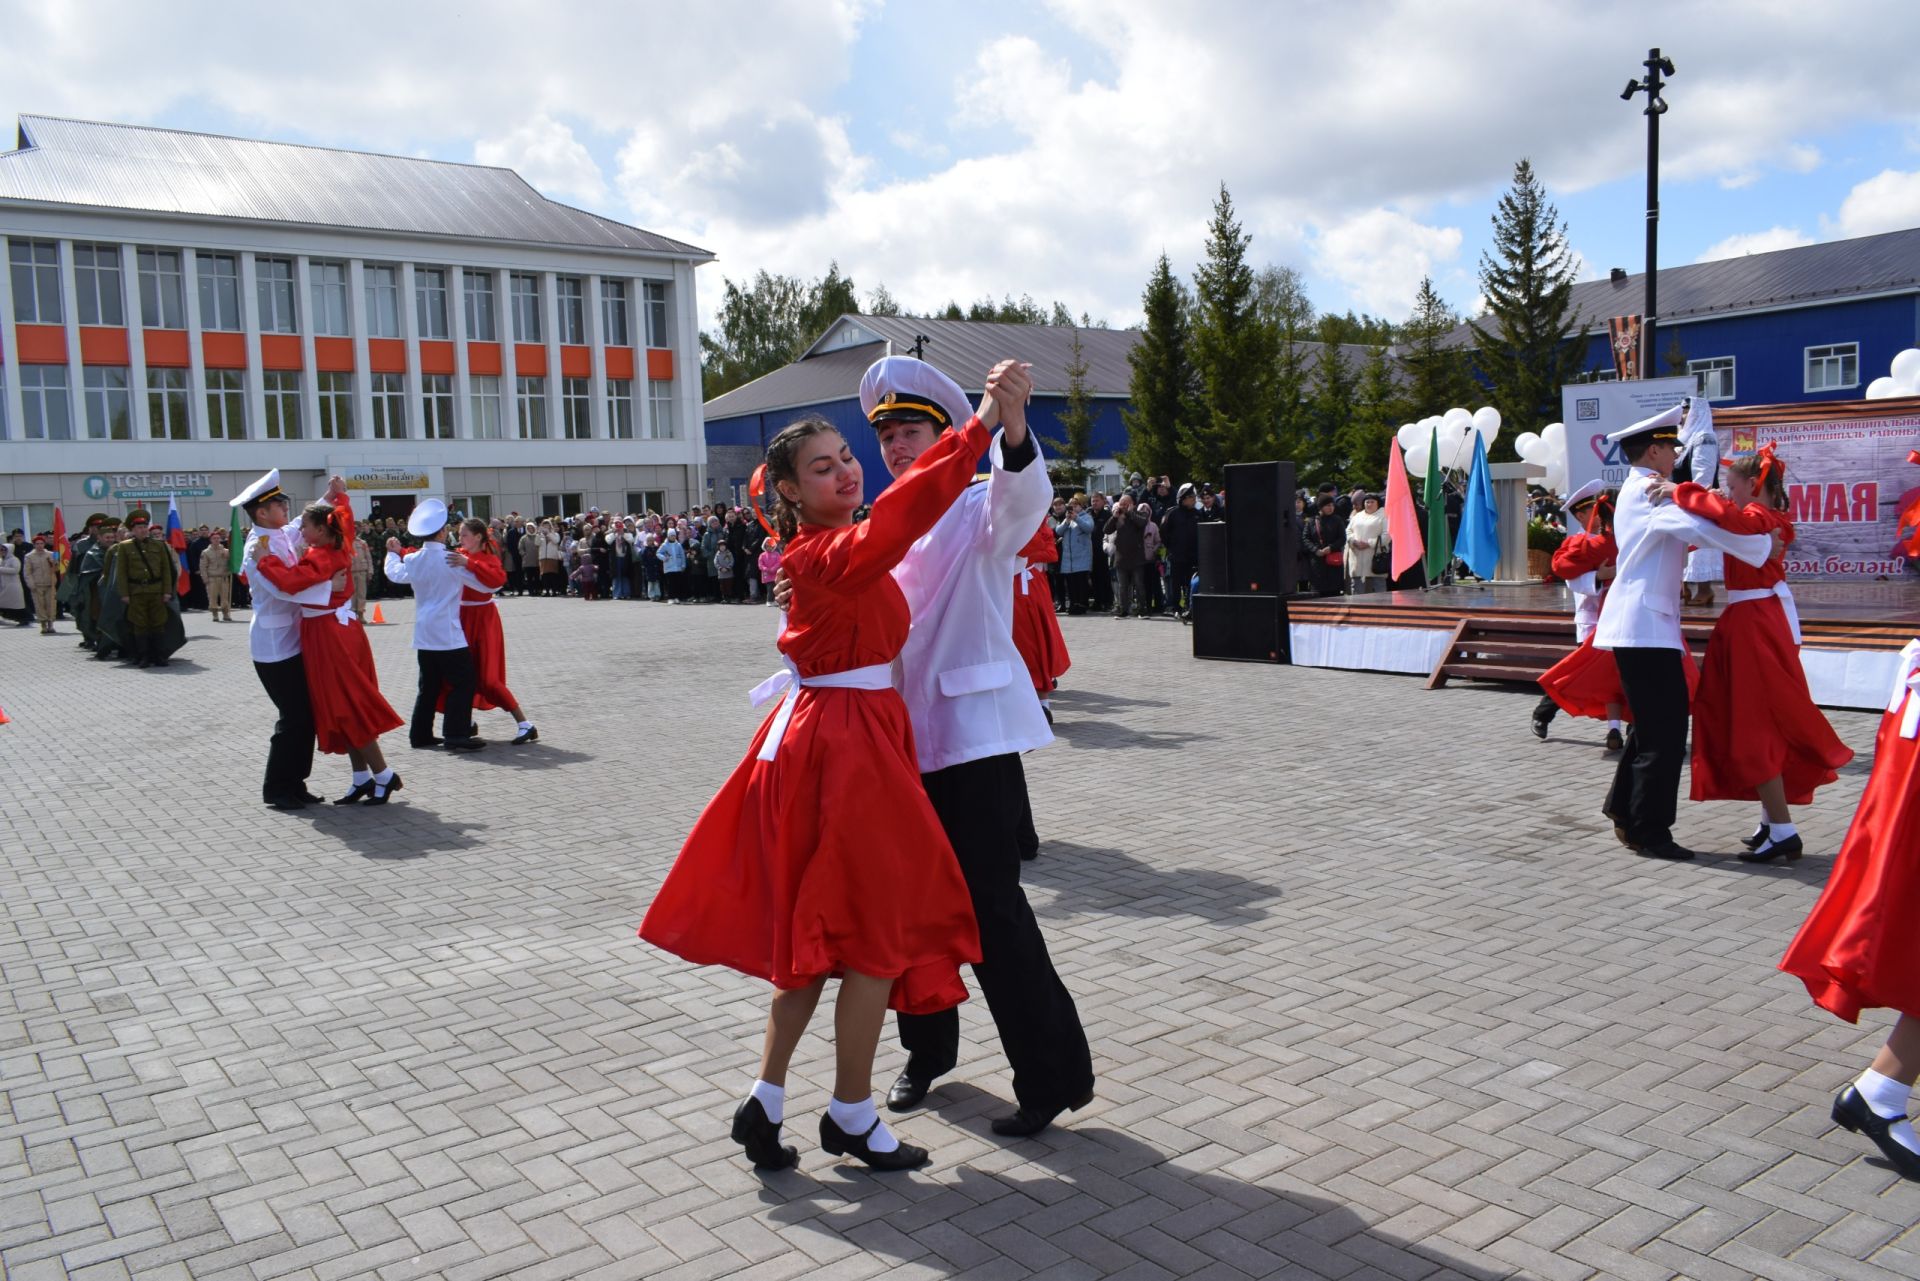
pixel 69 594
pixel 143 571
pixel 216 570
pixel 86 597
pixel 40 574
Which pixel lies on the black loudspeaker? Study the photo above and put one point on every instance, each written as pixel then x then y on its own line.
pixel 1263 539
pixel 1246 629
pixel 1213 557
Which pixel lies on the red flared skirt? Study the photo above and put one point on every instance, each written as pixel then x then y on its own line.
pixel 1753 718
pixel 827 858
pixel 1586 681
pixel 488 645
pixel 342 684
pixel 1858 949
pixel 1036 634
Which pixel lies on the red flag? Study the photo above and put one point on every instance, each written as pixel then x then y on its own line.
pixel 1403 522
pixel 177 539
pixel 62 550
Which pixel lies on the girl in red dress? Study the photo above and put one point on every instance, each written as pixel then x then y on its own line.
pixel 1756 732
pixel 1036 632
pixel 480 620
pixel 821 855
pixel 1857 950
pixel 349 712
pixel 1586 682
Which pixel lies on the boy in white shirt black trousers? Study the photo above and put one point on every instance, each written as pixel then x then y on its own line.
pixel 439 641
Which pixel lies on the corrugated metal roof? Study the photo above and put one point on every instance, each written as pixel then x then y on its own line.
pixel 1806 274
pixel 78 162
pixel 964 350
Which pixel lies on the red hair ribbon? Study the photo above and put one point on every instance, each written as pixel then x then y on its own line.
pixel 1913 455
pixel 756 491
pixel 1768 463
pixel 1593 513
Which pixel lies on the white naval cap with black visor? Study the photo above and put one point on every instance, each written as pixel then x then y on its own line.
pixel 900 387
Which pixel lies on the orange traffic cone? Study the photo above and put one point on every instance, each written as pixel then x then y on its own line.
pixel 378 617
pixel 3 717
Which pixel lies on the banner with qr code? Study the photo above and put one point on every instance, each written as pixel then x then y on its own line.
pixel 1592 411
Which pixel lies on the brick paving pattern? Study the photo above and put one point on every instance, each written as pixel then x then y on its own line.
pixel 1372 993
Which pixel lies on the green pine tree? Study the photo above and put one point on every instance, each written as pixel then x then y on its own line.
pixel 1163 386
pixel 1378 411
pixel 1287 325
pixel 767 324
pixel 1075 442
pixel 1330 413
pixel 1233 352
pixel 1528 346
pixel 1438 377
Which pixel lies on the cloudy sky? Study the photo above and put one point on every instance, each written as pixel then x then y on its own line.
pixel 958 149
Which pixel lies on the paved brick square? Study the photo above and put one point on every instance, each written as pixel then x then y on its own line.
pixel 1371 990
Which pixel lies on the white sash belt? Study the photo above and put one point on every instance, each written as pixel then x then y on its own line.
pixel 344 615
pixel 1906 690
pixel 1779 589
pixel 789 681
pixel 1026 572
pixel 476 604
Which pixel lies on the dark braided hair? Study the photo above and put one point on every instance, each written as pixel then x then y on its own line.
pixel 780 466
pixel 1773 492
pixel 480 527
pixel 322 514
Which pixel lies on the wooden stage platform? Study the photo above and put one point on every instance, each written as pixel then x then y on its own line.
pixel 1515 631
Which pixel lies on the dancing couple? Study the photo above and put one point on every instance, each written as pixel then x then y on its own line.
pixel 872 832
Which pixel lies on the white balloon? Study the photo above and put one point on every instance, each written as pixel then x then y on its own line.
pixel 1526 443
pixel 1906 368
pixel 1555 434
pixel 1882 389
pixel 1408 434
pixel 1417 459
pixel 1458 415
pixel 1486 421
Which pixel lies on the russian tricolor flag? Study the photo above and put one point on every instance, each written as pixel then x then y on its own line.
pixel 177 539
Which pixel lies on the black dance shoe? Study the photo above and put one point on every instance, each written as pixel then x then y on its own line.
pixel 360 792
pixel 310 798
pixel 908 1092
pixel 471 743
pixel 424 744
pixel 1028 1122
pixel 1850 1112
pixel 1539 725
pixel 838 1142
pixel 532 735
pixel 383 792
pixel 1758 838
pixel 1667 849
pixel 1615 743
pixel 287 803
pixel 761 1138
pixel 1789 849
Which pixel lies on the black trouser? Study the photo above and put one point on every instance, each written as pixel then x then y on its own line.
pixel 982 805
pixel 1179 583
pixel 1546 709
pixel 1646 784
pixel 452 668
pixel 1076 589
pixel 1101 578
pixel 290 753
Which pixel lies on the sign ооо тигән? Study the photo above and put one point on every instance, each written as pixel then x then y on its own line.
pixel 385 478
pixel 149 484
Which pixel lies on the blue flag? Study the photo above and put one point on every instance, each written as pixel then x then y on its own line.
pixel 1479 543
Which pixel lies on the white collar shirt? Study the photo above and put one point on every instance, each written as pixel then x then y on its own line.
pixel 273 634
pixel 1642 608
pixel 436 596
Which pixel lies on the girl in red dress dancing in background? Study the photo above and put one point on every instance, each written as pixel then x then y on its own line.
pixel 821 855
pixel 349 712
pixel 1586 682
pixel 1858 950
pixel 1756 732
pixel 480 620
pixel 1036 632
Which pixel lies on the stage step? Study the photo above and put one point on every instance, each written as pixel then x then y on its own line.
pixel 1519 649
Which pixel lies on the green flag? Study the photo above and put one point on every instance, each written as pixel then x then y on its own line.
pixel 1439 552
pixel 236 541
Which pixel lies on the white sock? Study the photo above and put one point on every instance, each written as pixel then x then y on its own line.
pixel 1614 726
pixel 362 776
pixel 384 777
pixel 523 727
pixel 773 1100
pixel 856 1119
pixel 1887 1097
pixel 1781 831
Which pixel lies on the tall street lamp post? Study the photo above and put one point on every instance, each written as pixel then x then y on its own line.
pixel 1651 85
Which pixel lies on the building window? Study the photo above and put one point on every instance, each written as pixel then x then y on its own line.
pixel 642 501
pixel 660 406
pixel 96 284
pixel 219 291
pixel 478 506
pixel 570 295
pixel 109 411
pixel 336 406
pixel 486 406
pixel 576 408
pixel 526 307
pixel 430 300
pixel 481 323
pixel 227 402
pixel 533 407
pixel 36 282
pixel 162 289
pixel 436 405
pixel 167 404
pixel 383 301
pixel 329 282
pixel 656 315
pixel 1713 377
pixel 389 406
pixel 620 408
pixel 558 506
pixel 1833 367
pixel 613 312
pixel 273 282
pixel 44 402
pixel 282 387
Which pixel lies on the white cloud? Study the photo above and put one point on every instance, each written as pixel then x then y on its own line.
pixel 546 154
pixel 1381 256
pixel 1888 201
pixel 1755 242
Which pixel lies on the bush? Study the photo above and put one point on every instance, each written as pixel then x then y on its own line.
pixel 1542 537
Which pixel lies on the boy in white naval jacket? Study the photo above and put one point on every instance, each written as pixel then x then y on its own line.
pixel 974 712
pixel 439 642
pixel 273 638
